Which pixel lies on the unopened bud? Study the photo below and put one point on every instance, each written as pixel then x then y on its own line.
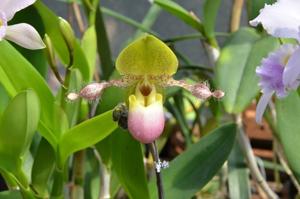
pixel 67 32
pixel 92 91
pixel 49 51
pixel 72 96
pixel 218 94
pixel 200 91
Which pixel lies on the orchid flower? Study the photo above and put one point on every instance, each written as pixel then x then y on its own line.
pixel 23 34
pixel 280 71
pixel 146 67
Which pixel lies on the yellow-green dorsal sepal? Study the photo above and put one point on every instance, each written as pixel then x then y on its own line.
pixel 147 56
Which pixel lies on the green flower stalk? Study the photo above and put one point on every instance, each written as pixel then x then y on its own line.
pixel 146 66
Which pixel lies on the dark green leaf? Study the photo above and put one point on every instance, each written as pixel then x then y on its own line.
pixel 191 170
pixel 235 71
pixel 104 52
pixel 210 10
pixel 127 20
pixel 127 160
pixel 238 174
pixel 181 13
pixel 288 128
pixel 43 167
pixel 254 6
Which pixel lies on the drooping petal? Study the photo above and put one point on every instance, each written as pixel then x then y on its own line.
pixel 24 35
pixel 146 123
pixel 281 19
pixel 10 7
pixel 291 71
pixel 3 25
pixel 262 105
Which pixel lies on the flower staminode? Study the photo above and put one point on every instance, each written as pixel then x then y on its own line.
pixel 147 66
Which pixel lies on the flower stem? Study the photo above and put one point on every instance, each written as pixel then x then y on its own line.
pixel 249 155
pixel 159 184
pixel 236 15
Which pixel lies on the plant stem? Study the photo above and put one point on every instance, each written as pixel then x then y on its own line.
pixel 159 184
pixel 78 175
pixel 249 155
pixel 236 15
pixel 105 176
pixel 78 17
pixel 58 184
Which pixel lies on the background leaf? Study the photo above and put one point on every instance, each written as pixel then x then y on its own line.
pixel 191 170
pixel 235 71
pixel 181 13
pixel 288 114
pixel 210 12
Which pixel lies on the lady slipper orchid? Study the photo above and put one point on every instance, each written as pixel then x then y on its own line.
pixel 146 66
pixel 280 71
pixel 23 34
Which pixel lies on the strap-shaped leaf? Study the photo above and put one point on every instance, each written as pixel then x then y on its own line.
pixel 288 128
pixel 85 134
pixel 181 13
pixel 191 170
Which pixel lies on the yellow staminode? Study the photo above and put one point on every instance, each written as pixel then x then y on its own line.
pixel 147 56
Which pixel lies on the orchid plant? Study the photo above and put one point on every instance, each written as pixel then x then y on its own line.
pixel 154 121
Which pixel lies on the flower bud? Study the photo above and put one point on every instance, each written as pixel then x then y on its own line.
pixel 200 91
pixel 90 92
pixel 67 32
pixel 218 94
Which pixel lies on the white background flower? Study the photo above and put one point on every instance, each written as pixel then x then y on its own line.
pixel 23 34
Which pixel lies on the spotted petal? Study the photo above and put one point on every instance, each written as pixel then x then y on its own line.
pixel 281 19
pixel 24 35
pixel 147 56
pixel 10 7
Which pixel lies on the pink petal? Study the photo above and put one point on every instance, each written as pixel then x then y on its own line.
pixel 10 7
pixel 145 123
pixel 291 72
pixel 281 19
pixel 24 35
pixel 262 105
